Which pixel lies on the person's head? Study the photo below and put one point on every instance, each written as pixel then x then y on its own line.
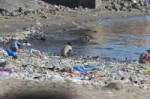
pixel 13 39
pixel 69 43
pixel 148 51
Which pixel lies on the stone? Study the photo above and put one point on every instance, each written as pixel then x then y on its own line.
pixel 44 17
pixel 123 9
pixel 126 4
pixel 84 39
pixel 116 6
pixel 109 7
pixel 116 86
pixel 66 69
pixel 43 38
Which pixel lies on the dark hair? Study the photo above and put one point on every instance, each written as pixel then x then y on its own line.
pixel 148 51
pixel 12 39
pixel 69 43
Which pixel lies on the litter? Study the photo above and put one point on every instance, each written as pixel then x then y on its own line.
pixel 80 69
pixel 89 67
pixel 5 70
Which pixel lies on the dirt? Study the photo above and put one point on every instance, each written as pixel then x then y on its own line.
pixel 22 89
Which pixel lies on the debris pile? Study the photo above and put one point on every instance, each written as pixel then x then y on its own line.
pixel 80 70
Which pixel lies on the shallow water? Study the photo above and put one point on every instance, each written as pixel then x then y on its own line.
pixel 123 38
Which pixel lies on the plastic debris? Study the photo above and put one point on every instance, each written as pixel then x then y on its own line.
pixel 79 70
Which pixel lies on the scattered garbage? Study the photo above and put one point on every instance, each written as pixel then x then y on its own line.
pixel 79 70
pixel 5 70
pixel 147 72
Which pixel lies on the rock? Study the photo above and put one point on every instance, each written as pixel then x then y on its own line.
pixel 126 4
pixel 20 9
pixel 15 13
pixel 136 6
pixel 27 12
pixel 66 69
pixel 44 17
pixel 109 7
pixel 116 6
pixel 3 63
pixel 116 86
pixel 123 9
pixel 43 38
pixel 84 39
pixel 3 12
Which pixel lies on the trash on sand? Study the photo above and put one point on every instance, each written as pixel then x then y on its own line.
pixel 90 67
pixel 147 72
pixel 80 69
pixel 5 70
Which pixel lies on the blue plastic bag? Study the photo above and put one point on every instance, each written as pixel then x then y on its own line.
pixel 10 52
pixel 145 2
pixel 80 69
pixel 90 67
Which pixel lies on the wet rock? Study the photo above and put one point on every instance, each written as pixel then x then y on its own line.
pixel 43 38
pixel 84 39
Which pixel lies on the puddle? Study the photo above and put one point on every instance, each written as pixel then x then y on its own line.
pixel 123 38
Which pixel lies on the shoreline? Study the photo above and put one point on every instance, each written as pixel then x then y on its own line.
pixel 30 67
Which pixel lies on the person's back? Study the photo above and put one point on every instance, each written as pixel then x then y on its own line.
pixel 145 56
pixel 66 50
pixel 14 46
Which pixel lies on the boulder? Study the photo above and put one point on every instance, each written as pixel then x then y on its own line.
pixel 116 86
